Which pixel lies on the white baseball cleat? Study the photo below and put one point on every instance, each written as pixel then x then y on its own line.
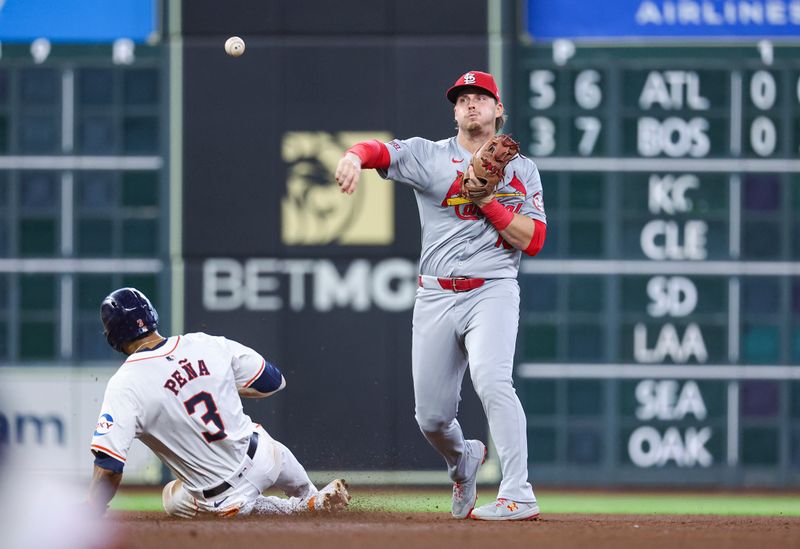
pixel 465 493
pixel 333 497
pixel 505 509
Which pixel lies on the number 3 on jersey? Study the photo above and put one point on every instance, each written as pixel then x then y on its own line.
pixel 211 415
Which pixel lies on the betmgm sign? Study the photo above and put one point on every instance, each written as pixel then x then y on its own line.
pixel 314 212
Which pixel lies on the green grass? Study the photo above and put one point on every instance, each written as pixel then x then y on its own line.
pixel 438 501
pixel 137 501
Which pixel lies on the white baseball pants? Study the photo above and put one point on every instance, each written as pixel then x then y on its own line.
pixel 476 328
pixel 272 465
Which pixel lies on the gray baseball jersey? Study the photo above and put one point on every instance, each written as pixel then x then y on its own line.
pixel 456 239
pixel 476 328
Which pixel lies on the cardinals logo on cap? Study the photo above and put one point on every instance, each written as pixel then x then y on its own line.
pixel 482 80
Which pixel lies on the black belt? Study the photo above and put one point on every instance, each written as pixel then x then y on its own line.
pixel 217 490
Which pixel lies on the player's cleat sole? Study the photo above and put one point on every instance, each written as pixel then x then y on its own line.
pixel 334 497
pixel 465 493
pixel 505 509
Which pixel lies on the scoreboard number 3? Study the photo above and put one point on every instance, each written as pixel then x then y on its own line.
pixel 542 96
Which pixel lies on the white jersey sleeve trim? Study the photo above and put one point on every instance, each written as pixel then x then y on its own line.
pixel 255 377
pixel 107 451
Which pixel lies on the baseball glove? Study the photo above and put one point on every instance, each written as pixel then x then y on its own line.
pixel 488 164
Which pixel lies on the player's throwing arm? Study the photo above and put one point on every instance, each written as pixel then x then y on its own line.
pixel 348 172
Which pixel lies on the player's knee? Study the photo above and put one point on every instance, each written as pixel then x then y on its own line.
pixel 432 423
pixel 175 501
pixel 167 500
pixel 489 382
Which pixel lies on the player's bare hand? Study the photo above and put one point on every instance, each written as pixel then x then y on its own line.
pixel 478 201
pixel 348 172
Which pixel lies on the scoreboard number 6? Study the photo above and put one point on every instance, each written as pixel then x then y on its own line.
pixel 588 94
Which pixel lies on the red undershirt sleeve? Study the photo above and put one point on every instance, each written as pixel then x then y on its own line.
pixel 373 154
pixel 539 233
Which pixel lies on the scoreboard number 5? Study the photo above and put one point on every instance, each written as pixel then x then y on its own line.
pixel 542 96
pixel 588 96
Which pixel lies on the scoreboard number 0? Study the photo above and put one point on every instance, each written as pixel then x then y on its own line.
pixel 763 136
pixel 763 90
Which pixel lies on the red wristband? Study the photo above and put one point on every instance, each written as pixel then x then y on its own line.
pixel 497 214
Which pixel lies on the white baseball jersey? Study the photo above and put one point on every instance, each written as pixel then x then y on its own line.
pixel 181 399
pixel 456 239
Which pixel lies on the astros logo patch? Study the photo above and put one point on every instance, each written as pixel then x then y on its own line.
pixel 104 425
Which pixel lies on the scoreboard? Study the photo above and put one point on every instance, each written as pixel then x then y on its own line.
pixel 661 323
pixel 84 199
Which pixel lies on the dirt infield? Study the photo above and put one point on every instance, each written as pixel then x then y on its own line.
pixel 414 530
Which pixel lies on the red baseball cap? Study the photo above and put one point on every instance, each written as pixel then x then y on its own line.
pixel 474 79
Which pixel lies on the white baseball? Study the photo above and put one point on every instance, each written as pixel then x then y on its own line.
pixel 234 46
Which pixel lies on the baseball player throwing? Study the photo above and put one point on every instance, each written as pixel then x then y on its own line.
pixel 467 304
pixel 180 395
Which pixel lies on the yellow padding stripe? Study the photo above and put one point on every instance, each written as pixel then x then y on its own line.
pixel 456 201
